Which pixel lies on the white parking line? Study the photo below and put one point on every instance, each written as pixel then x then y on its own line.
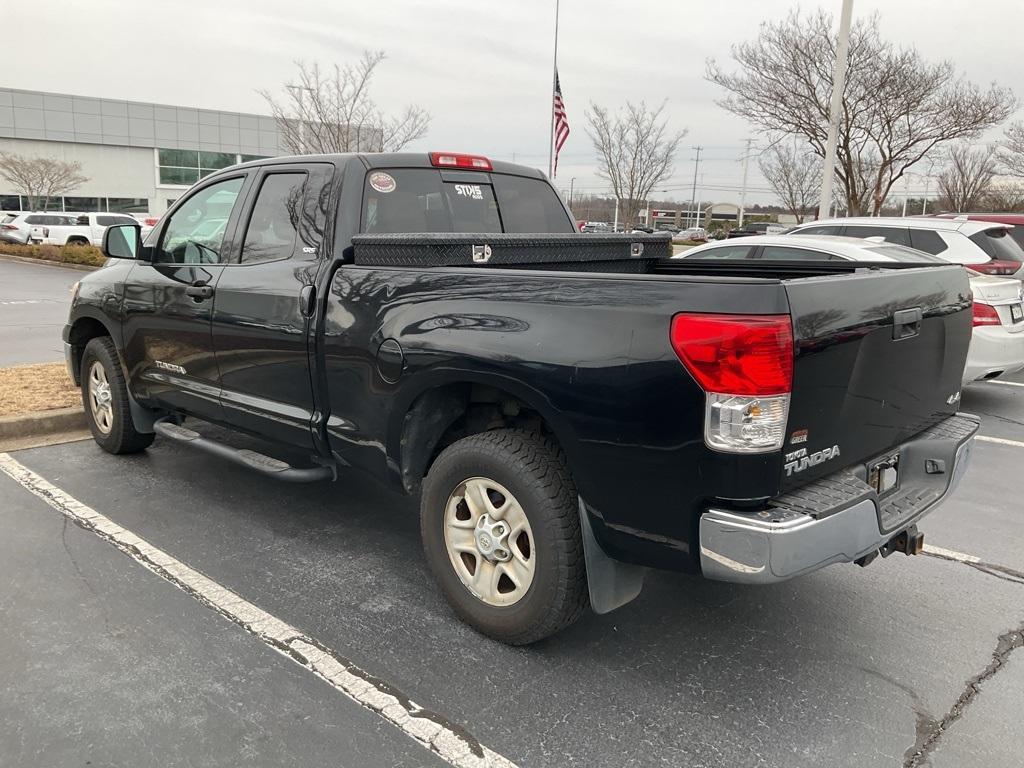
pixel 1000 441
pixel 430 730
pixel 950 554
pixel 1005 383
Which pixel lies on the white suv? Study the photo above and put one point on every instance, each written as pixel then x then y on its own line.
pixel 79 229
pixel 983 246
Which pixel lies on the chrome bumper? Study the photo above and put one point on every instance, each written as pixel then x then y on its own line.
pixel 774 545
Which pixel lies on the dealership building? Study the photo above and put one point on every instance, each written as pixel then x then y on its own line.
pixel 138 157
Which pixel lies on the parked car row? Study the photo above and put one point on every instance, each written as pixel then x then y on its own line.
pixel 997 342
pixel 55 228
pixel 984 246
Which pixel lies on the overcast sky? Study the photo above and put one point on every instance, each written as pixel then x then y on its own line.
pixel 481 67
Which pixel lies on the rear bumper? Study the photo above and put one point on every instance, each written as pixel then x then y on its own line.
pixel 993 352
pixel 838 519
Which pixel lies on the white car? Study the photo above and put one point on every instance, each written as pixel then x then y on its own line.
pixel 692 234
pixel 997 340
pixel 983 246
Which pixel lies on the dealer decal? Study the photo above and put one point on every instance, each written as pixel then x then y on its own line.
pixel 472 191
pixel 382 182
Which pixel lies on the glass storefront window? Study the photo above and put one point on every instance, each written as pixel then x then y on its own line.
pixel 83 204
pixel 127 205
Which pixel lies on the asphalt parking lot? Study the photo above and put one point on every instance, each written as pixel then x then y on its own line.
pixel 34 302
pixel 911 661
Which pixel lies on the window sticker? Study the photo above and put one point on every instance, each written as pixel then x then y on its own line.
pixel 382 182
pixel 471 191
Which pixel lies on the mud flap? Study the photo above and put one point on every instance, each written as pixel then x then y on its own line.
pixel 612 584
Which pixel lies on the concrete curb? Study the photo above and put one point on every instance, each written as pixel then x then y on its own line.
pixel 42 423
pixel 44 262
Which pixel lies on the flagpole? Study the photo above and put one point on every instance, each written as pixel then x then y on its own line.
pixel 551 102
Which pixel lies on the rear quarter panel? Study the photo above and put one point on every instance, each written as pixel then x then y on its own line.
pixel 590 353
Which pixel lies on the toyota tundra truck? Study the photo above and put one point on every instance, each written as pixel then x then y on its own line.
pixel 571 409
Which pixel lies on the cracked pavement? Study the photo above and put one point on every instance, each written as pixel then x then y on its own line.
pixel 910 662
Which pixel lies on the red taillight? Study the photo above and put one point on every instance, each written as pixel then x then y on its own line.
pixel 457 160
pixel 737 354
pixel 996 267
pixel 985 314
pixel 10 226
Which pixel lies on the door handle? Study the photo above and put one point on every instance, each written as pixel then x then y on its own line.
pixel 307 300
pixel 199 292
pixel 906 323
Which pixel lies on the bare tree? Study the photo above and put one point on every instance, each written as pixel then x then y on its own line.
pixel 333 111
pixel 794 174
pixel 1011 154
pixel 1005 198
pixel 635 151
pixel 897 107
pixel 967 180
pixel 40 178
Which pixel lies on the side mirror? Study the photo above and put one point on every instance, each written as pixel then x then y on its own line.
pixel 122 241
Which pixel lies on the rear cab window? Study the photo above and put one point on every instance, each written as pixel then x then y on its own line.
pixel 402 200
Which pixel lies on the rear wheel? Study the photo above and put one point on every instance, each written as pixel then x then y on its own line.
pixel 105 397
pixel 500 527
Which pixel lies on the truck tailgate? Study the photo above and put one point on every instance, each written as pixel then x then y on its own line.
pixel 879 358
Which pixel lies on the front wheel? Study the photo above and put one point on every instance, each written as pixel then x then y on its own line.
pixel 501 532
pixel 105 397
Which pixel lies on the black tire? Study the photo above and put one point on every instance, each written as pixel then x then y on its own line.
pixel 533 469
pixel 121 435
pixel 77 241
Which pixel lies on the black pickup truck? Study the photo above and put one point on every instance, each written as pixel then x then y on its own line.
pixel 571 408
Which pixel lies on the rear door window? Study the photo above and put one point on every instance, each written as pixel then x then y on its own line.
pixel 109 221
pixel 273 225
pixel 785 253
pixel 897 235
pixel 928 241
pixel 998 244
pixel 732 252
pixel 824 229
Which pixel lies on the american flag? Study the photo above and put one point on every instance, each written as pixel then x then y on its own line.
pixel 561 122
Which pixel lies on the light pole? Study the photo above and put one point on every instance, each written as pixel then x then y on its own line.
pixel 693 194
pixel 838 85
pixel 302 89
pixel 743 189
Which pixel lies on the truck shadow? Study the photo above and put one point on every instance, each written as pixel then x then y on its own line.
pixel 342 561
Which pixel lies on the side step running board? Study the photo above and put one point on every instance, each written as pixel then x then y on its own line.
pixel 275 468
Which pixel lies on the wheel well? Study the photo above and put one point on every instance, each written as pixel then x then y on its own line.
pixel 82 332
pixel 445 414
pixel 78 241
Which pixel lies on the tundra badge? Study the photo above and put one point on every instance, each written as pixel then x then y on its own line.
pixel 799 460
